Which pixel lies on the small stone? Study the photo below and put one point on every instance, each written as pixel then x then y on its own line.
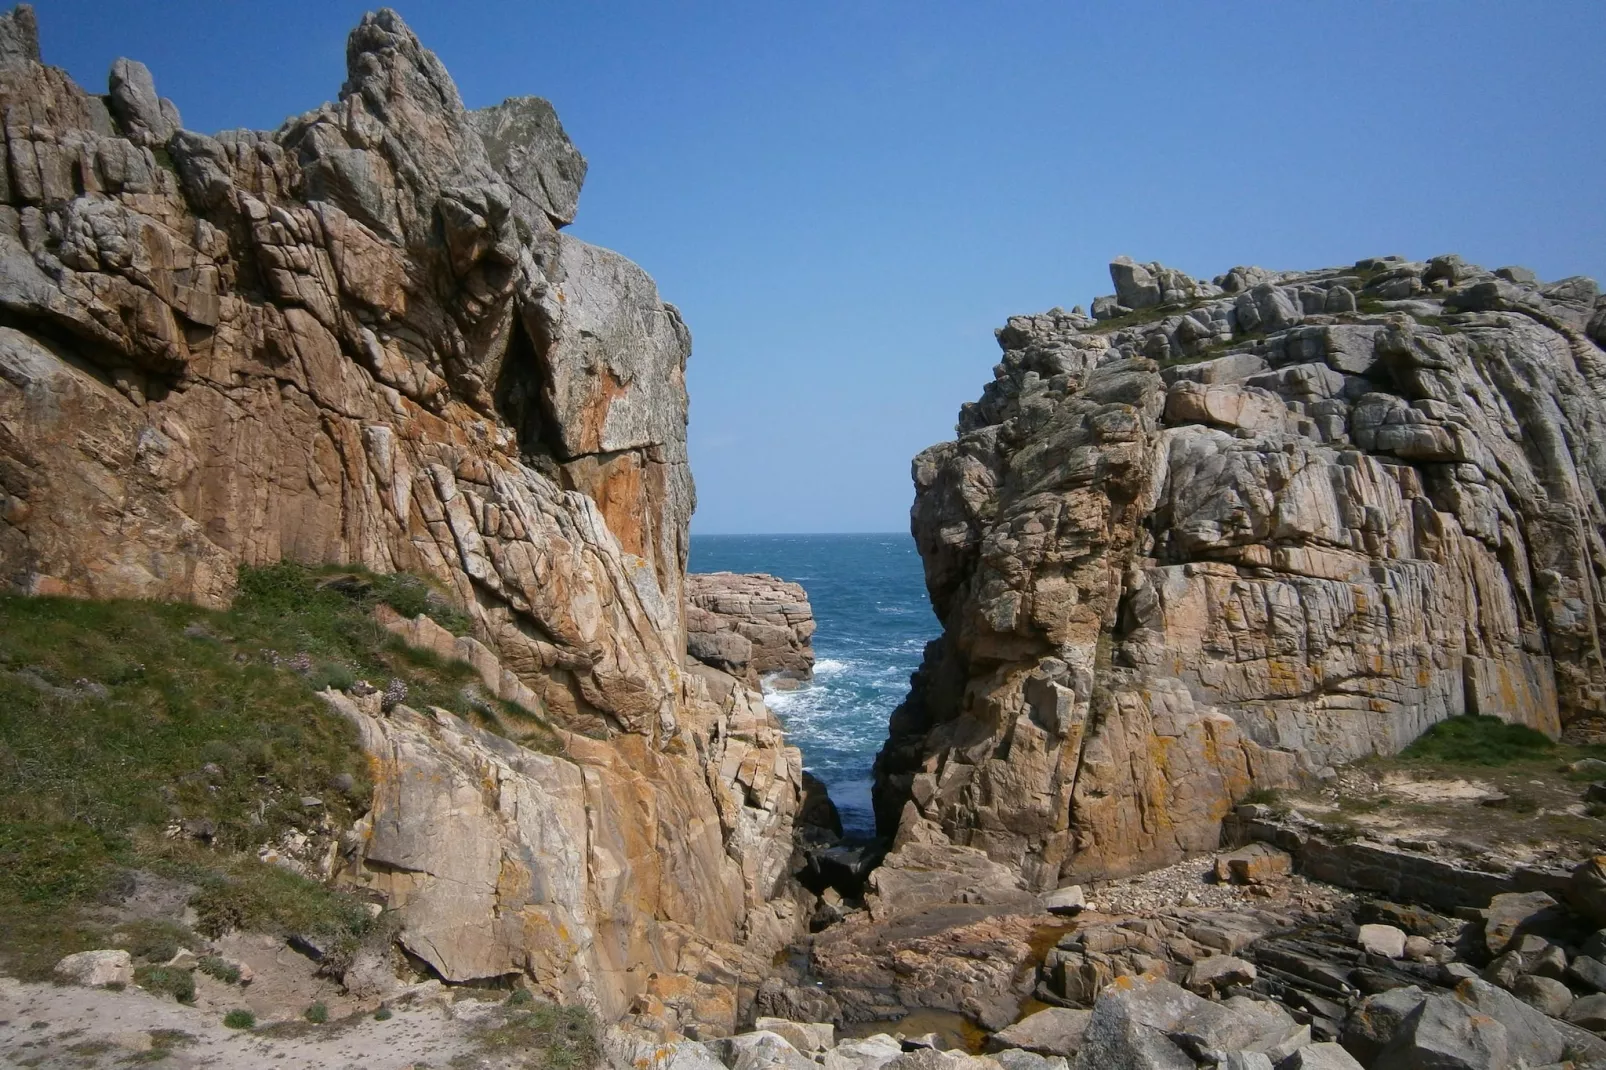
pixel 1383 940
pixel 1544 994
pixel 1066 900
pixel 97 969
pixel 1419 949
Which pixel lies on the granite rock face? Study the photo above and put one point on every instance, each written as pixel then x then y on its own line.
pixel 361 339
pixel 1247 530
pixel 750 625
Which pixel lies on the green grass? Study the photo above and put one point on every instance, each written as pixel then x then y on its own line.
pixel 143 735
pixel 545 1036
pixel 222 969
pixel 239 1019
pixel 176 982
pixel 1478 740
pixel 317 1014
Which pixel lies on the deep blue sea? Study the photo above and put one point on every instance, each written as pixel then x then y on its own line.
pixel 872 619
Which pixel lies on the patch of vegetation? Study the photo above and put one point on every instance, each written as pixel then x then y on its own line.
pixel 222 969
pixel 1472 739
pixel 166 737
pixel 1356 804
pixel 239 1019
pixel 317 1014
pixel 173 980
pixel 156 940
pixel 383 1014
pixel 1262 797
pixel 546 1036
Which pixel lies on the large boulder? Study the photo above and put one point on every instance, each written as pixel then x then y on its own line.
pixel 1116 536
pixel 1055 1031
pixel 750 625
pixel 96 969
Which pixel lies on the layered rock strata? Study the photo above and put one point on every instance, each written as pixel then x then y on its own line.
pixel 1232 533
pixel 750 625
pixel 362 339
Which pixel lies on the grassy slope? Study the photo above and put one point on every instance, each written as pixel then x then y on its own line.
pixel 121 722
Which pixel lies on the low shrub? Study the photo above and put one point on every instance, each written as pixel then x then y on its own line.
pixel 1478 740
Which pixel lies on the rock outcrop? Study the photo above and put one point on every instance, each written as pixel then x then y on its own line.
pixel 1233 533
pixel 362 339
pixel 750 625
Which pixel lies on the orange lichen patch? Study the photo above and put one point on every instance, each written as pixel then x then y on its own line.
pixel 594 416
pixel 615 484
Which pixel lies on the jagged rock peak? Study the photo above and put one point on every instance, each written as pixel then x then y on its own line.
pixel 354 340
pixel 1249 530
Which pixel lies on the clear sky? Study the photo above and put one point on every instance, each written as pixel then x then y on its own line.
pixel 845 199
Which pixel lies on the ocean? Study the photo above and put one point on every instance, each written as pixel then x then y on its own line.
pixel 872 621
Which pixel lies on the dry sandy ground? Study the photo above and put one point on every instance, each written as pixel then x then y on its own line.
pixel 53 1026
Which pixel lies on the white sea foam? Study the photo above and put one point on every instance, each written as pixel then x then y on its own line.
pixel 830 667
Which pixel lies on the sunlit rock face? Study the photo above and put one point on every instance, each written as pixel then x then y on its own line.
pixel 362 338
pixel 1226 534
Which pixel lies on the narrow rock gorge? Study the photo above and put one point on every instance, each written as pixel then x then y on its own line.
pixel 1228 535
pixel 365 339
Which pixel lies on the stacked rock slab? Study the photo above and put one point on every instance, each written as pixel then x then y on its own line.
pixel 1232 533
pixel 750 624
pixel 362 339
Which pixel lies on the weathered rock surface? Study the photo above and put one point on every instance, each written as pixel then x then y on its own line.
pixel 362 339
pixel 750 625
pixel 96 968
pixel 1279 522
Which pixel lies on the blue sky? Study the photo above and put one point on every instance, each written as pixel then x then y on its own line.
pixel 845 199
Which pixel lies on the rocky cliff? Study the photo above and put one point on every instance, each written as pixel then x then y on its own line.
pixel 362 338
pixel 751 625
pixel 1227 534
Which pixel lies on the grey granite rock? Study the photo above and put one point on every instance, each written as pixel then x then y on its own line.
pixel 526 143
